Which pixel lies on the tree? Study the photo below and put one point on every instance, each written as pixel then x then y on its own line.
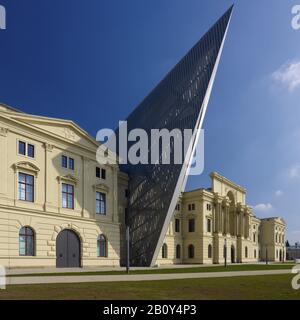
pixel 287 244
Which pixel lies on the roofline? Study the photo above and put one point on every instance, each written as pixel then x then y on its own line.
pixel 11 108
pixel 21 114
pixel 217 176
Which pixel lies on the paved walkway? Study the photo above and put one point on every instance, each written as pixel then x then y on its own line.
pixel 16 271
pixel 138 277
pixel 100 269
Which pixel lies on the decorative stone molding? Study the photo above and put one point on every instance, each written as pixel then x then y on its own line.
pixel 101 187
pixel 69 226
pixel 48 147
pixel 67 178
pixel 69 134
pixel 3 132
pixel 226 202
pixel 217 198
pixel 25 165
pixel 78 231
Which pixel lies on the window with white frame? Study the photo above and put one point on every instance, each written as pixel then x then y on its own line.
pixel 100 203
pixel 26 187
pixel 67 196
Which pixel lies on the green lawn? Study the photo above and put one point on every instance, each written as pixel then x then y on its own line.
pixel 239 267
pixel 245 287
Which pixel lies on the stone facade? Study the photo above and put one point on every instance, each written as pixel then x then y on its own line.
pixel 51 139
pixel 206 221
pixel 203 220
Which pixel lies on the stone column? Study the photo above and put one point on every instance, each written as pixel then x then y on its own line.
pixel 239 217
pixel 234 221
pixel 214 217
pixel 3 160
pixel 225 206
pixel 242 223
pixel 218 214
pixel 115 193
pixel 47 200
pixel 247 225
pixel 228 217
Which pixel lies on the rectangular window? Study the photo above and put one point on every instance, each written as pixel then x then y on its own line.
pixel 177 207
pixel 67 196
pixel 191 225
pixel 177 225
pixel 98 172
pixel 71 163
pixel 191 206
pixel 26 187
pixel 30 150
pixel 100 203
pixel 208 225
pixel 64 161
pixel 22 148
pixel 22 246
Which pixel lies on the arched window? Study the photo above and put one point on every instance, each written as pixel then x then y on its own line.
pixel 254 253
pixel 178 251
pixel 101 246
pixel 209 249
pixel 26 242
pixel 191 251
pixel 164 251
pixel 246 252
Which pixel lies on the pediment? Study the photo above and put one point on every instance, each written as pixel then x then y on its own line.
pixel 101 187
pixel 27 166
pixel 68 178
pixel 64 129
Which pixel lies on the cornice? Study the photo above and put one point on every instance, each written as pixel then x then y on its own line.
pixel 3 131
pixel 218 177
pixel 101 187
pixel 68 178
pixel 26 165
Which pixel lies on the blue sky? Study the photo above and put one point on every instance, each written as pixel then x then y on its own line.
pixel 93 61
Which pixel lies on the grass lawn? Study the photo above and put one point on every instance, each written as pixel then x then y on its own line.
pixel 245 287
pixel 237 267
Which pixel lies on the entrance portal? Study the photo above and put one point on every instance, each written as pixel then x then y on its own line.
pixel 67 250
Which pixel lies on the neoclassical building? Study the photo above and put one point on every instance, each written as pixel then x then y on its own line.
pixel 211 223
pixel 59 207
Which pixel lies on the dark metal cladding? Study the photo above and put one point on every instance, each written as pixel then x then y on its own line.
pixel 175 103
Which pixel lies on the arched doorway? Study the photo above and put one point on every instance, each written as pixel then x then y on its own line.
pixel 67 250
pixel 232 254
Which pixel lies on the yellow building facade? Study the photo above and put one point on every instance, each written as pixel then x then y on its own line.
pixel 214 223
pixel 60 208
pixel 50 182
